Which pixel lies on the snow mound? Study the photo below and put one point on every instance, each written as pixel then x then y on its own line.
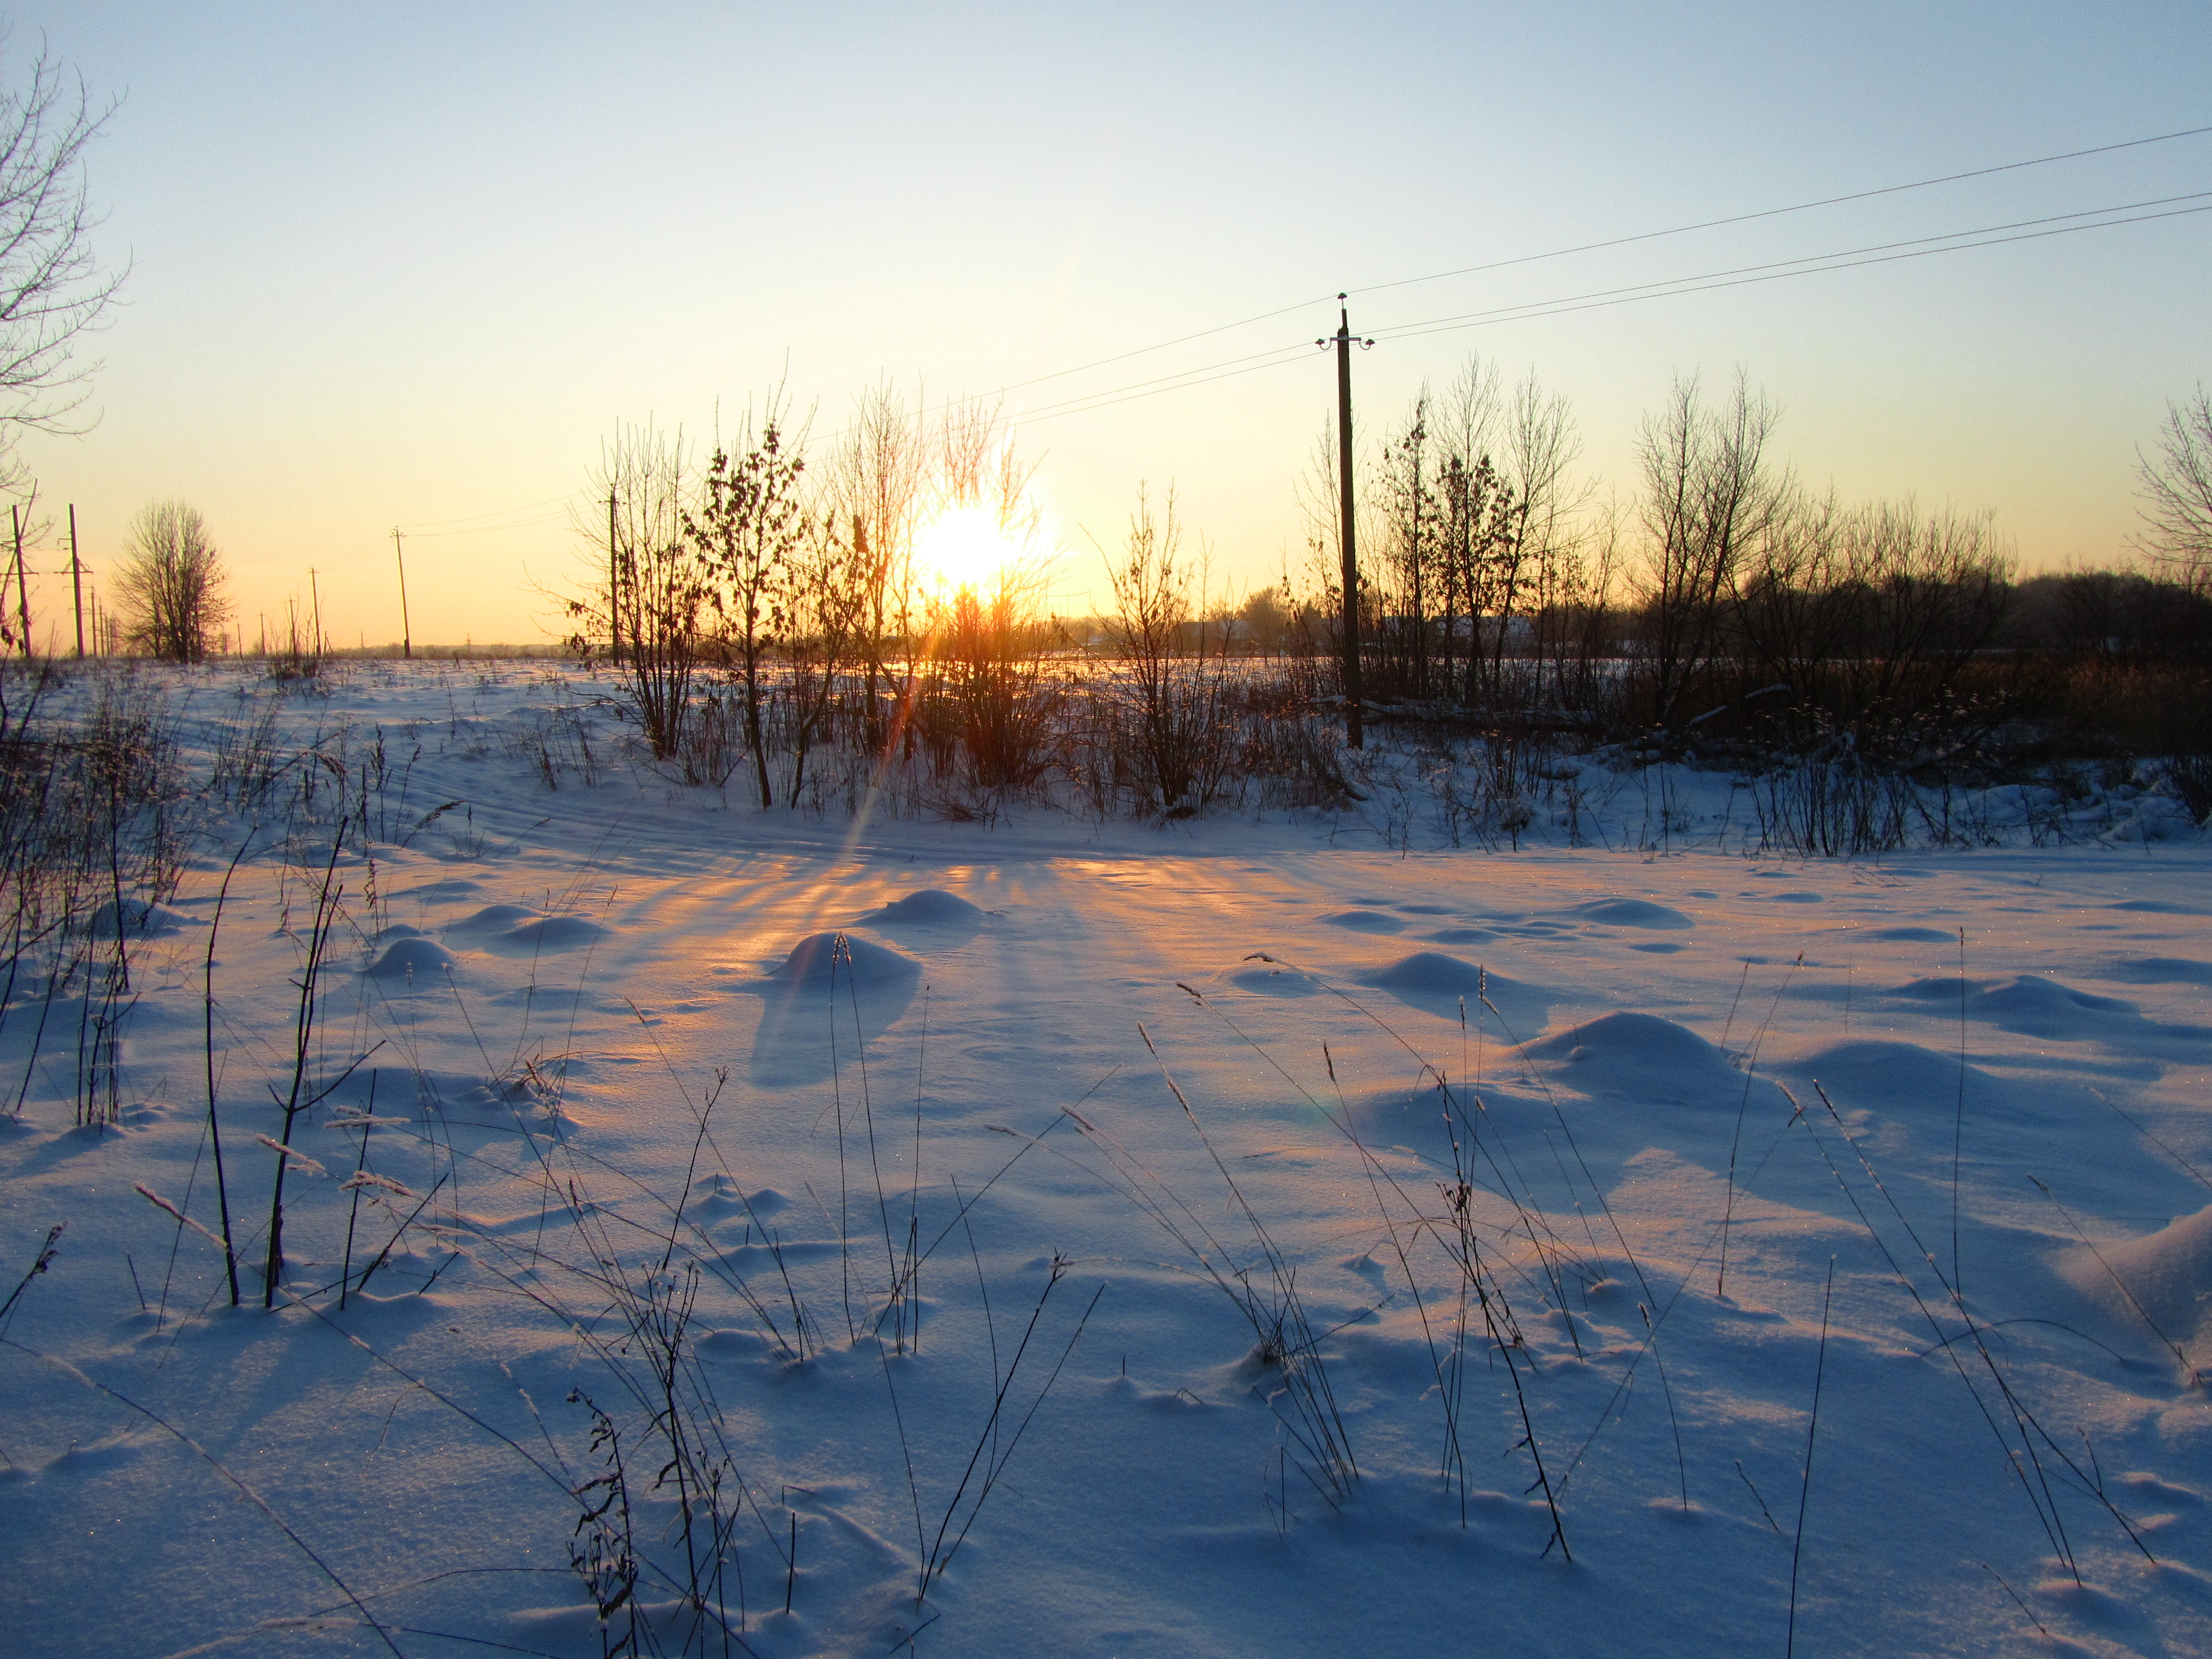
pixel 1437 984
pixel 546 933
pixel 1632 913
pixel 1881 1075
pixel 2030 1003
pixel 932 906
pixel 2153 818
pixel 816 962
pixel 1274 983
pixel 1366 922
pixel 493 918
pixel 1433 974
pixel 140 916
pixel 2168 1275
pixel 413 959
pixel 396 930
pixel 454 887
pixel 1641 1054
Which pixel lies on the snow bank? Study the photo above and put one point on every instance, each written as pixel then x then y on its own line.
pixel 2166 1276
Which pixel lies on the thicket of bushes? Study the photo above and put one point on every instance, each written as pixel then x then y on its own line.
pixel 768 614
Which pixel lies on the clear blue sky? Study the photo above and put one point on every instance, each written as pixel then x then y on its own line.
pixel 406 264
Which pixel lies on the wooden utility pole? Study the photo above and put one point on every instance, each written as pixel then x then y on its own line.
pixel 76 583
pixel 614 586
pixel 1354 722
pixel 406 629
pixel 22 591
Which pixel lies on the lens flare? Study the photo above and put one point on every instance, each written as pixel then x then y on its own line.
pixel 965 547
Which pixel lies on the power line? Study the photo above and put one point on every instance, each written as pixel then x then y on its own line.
pixel 1233 368
pixel 1799 207
pixel 1397 329
pixel 472 518
pixel 1563 307
pixel 1589 247
pixel 494 529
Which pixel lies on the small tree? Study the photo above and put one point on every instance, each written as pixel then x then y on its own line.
pixel 2177 490
pixel 170 583
pixel 648 594
pixel 749 527
pixel 1180 698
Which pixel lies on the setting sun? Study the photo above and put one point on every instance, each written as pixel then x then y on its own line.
pixel 965 547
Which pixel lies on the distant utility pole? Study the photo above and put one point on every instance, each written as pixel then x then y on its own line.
pixel 406 629
pixel 76 583
pixel 1354 725
pixel 614 586
pixel 22 592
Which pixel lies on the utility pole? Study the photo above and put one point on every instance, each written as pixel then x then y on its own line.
pixel 614 586
pixel 22 592
pixel 1355 724
pixel 406 629
pixel 76 583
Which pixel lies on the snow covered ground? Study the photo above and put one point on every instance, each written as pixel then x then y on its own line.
pixel 1524 1205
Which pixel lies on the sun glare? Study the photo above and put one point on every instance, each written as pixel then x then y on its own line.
pixel 965 548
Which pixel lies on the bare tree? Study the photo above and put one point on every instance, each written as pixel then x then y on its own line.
pixel 872 490
pixel 1179 699
pixel 170 583
pixel 648 594
pixel 1710 496
pixel 52 286
pixel 2177 489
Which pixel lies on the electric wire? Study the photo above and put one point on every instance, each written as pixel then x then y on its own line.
pixel 1799 207
pixel 1255 362
pixel 1589 247
pixel 1563 308
pixel 1400 330
pixel 1739 277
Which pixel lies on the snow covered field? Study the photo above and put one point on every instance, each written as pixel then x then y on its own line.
pixel 1524 1207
